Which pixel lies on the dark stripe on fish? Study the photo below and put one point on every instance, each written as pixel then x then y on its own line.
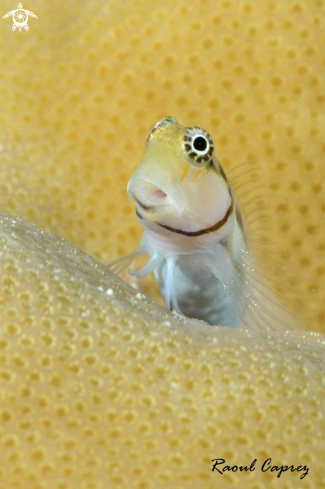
pixel 222 173
pixel 210 229
pixel 217 168
pixel 239 218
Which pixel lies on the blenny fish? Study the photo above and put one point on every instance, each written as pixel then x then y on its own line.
pixel 195 233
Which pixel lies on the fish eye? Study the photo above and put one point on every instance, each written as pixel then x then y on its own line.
pixel 198 145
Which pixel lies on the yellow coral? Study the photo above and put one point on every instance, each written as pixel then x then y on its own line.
pixel 101 387
pixel 81 89
pixel 93 397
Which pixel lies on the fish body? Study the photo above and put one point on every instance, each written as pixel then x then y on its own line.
pixel 195 232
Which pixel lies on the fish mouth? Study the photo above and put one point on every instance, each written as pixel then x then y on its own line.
pixel 147 208
pixel 151 198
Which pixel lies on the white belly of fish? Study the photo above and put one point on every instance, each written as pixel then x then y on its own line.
pixel 198 293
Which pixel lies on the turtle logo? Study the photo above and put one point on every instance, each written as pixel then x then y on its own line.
pixel 20 18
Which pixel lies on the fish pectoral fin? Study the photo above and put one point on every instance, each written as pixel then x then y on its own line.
pixel 121 266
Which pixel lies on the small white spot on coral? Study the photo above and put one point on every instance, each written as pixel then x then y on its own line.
pixel 139 296
pixel 166 323
pixel 109 292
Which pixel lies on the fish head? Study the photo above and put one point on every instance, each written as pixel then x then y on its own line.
pixel 179 182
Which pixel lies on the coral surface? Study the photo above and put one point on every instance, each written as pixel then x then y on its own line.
pixel 101 387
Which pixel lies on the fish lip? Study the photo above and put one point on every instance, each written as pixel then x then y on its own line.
pixel 175 198
pixel 148 208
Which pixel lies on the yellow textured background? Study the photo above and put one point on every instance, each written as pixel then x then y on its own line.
pixel 78 94
pixel 102 388
pixel 80 91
